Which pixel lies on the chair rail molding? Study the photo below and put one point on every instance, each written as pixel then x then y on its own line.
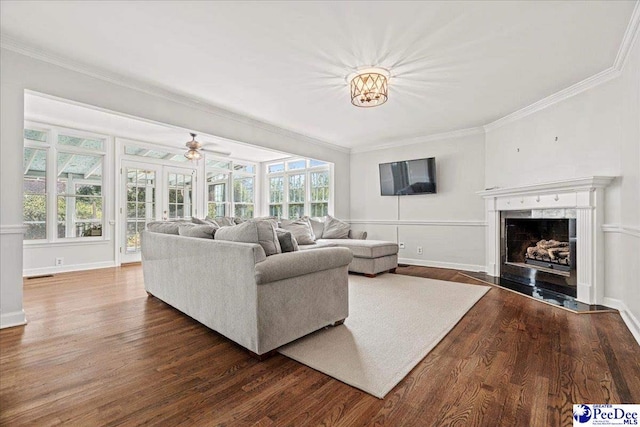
pixel 427 222
pixel 13 229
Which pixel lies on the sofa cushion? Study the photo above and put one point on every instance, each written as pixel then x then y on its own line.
pixel 288 243
pixel 367 248
pixel 205 221
pixel 318 244
pixel 301 230
pixel 202 231
pixel 166 227
pixel 223 221
pixel 359 235
pixel 335 229
pixel 252 231
pixel 294 264
pixel 317 225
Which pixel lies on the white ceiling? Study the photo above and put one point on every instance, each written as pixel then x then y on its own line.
pixel 454 65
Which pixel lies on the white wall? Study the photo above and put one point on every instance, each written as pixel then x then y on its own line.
pixel 449 225
pixel 19 72
pixel 598 134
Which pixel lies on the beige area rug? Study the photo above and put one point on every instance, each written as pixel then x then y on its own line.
pixel 394 322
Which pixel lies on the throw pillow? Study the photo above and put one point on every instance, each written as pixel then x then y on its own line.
pixel 223 221
pixel 317 226
pixel 202 231
pixel 288 243
pixel 205 221
pixel 301 230
pixel 251 231
pixel 165 227
pixel 335 229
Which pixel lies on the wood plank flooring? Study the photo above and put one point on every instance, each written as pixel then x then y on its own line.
pixel 98 351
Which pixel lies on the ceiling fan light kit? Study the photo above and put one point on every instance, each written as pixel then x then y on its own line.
pixel 194 147
pixel 369 87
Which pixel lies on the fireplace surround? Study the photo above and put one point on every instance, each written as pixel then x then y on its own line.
pixel 578 201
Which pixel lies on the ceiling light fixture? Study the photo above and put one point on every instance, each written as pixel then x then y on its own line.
pixel 193 154
pixel 369 87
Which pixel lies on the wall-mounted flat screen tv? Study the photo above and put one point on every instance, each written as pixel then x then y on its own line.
pixel 408 177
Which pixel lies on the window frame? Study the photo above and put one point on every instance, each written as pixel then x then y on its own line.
pixel 52 149
pixel 306 171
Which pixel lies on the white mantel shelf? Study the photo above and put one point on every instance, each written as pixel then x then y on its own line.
pixel 577 184
pixel 586 195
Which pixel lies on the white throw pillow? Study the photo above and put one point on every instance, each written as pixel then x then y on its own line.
pixel 301 230
pixel 335 229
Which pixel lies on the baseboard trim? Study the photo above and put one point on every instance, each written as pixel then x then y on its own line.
pixel 15 318
pixel 67 268
pixel 627 316
pixel 442 264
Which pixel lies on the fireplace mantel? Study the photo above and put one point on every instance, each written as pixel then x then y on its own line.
pixel 585 195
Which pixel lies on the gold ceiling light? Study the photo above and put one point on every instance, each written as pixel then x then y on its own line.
pixel 369 87
pixel 194 146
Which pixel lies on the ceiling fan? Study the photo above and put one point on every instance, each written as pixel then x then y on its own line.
pixel 195 149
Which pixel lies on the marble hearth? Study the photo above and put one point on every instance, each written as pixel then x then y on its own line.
pixel 584 196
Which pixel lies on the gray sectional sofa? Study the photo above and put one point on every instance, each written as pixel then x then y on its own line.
pixel 260 302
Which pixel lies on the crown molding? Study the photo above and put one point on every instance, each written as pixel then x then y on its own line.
pixel 630 36
pixel 419 139
pixel 15 45
pixel 586 84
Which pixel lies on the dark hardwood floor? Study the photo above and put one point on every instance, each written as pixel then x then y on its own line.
pixel 98 351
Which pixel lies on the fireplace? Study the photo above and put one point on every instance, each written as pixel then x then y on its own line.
pixel 578 204
pixel 538 248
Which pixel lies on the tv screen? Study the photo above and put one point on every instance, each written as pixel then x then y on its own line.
pixel 408 177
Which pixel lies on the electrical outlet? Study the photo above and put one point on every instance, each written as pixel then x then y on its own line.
pixel 419 250
pixel 60 261
pixel 401 245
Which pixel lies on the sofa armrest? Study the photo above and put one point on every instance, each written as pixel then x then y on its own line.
pixel 358 235
pixel 299 263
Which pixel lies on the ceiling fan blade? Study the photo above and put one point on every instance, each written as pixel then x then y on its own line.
pixel 212 151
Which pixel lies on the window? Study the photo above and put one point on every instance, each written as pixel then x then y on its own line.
pixel 180 188
pixel 276 196
pixel 79 192
pixel 299 187
pixel 65 200
pixel 319 193
pixel 141 200
pixel 230 188
pixel 34 183
pixel 217 183
pixel 243 196
pixel 296 195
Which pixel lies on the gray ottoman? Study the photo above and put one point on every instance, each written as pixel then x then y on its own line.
pixel 370 256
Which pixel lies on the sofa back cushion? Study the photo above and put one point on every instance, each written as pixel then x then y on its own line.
pixel 301 230
pixel 202 231
pixel 335 229
pixel 166 227
pixel 288 243
pixel 205 221
pixel 252 231
pixel 317 225
pixel 222 221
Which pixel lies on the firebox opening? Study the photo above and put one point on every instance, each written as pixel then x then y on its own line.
pixel 540 251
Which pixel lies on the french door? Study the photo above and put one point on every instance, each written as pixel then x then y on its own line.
pixel 151 192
